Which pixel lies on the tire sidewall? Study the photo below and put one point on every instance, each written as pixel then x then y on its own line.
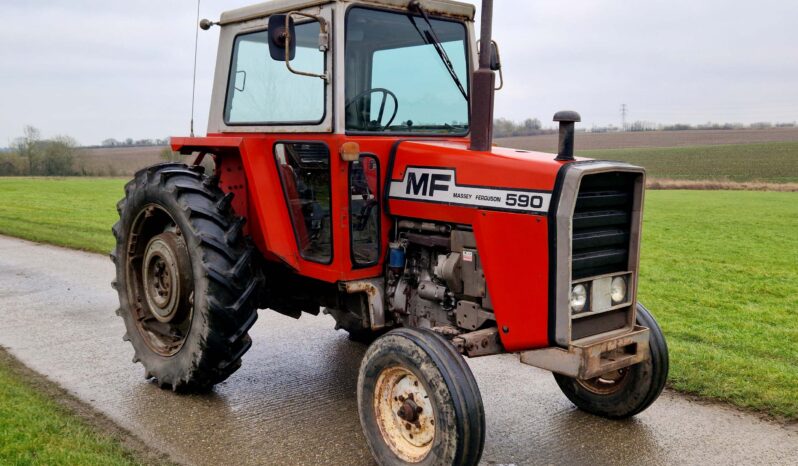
pixel 394 351
pixel 645 383
pixel 177 367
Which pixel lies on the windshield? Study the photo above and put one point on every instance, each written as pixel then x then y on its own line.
pixel 396 80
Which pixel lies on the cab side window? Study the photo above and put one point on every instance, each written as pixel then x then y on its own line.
pixel 304 170
pixel 364 208
pixel 262 91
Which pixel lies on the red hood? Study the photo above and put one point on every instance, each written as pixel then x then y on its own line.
pixel 501 167
pixel 505 195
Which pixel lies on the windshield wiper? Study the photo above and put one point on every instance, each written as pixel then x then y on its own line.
pixel 430 37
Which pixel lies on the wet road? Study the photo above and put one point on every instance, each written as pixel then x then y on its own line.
pixel 293 401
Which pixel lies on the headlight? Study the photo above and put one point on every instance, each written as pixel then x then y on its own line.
pixel 578 298
pixel 618 290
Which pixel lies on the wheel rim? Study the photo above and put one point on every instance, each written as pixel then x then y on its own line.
pixel 404 414
pixel 161 284
pixel 159 269
pixel 606 384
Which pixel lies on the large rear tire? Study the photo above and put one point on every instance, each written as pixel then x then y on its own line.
pixel 186 277
pixel 419 403
pixel 625 393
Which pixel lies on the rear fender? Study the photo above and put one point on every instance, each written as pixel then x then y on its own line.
pixel 235 176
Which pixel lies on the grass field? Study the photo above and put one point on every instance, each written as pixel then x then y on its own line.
pixel 769 156
pixel 37 431
pixel 718 271
pixel 73 212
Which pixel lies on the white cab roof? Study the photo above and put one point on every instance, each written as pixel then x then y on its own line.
pixel 260 10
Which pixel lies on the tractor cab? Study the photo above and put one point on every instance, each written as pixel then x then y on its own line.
pixel 372 68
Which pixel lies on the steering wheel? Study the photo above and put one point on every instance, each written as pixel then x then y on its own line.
pixel 385 93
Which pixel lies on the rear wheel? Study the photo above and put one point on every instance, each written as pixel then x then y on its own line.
pixel 186 277
pixel 625 392
pixel 419 402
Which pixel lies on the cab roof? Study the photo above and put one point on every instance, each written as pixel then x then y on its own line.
pixel 439 7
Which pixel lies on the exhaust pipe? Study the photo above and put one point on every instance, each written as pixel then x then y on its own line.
pixel 482 89
pixel 567 120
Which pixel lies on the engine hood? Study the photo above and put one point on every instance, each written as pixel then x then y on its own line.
pixel 506 196
pixel 447 173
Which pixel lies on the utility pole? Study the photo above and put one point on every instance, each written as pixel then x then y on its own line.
pixel 624 111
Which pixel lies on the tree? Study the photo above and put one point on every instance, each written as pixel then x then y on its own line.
pixel 57 156
pixel 532 124
pixel 26 146
pixel 168 155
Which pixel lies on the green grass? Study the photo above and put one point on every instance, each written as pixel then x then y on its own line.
pixel 35 430
pixel 72 212
pixel 719 271
pixel 775 162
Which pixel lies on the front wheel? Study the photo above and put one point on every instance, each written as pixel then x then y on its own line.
pixel 628 391
pixel 419 402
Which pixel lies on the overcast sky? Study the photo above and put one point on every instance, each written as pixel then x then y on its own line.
pixel 96 69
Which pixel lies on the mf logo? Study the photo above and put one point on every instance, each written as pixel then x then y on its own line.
pixel 426 184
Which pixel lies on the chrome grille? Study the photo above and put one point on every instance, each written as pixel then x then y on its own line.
pixel 601 224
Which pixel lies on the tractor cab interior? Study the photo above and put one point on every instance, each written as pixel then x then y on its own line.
pixel 304 170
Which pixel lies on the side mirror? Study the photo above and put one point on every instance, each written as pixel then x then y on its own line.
pixel 278 35
pixel 496 63
pixel 495 58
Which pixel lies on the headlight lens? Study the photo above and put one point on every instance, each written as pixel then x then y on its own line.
pixel 618 290
pixel 578 298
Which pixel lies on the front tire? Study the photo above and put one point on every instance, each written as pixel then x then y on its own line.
pixel 629 391
pixel 419 402
pixel 186 277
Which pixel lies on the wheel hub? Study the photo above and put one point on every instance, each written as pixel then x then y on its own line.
pixel 404 414
pixel 162 282
pixel 162 272
pixel 606 384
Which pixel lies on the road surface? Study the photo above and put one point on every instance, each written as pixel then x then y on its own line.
pixel 293 400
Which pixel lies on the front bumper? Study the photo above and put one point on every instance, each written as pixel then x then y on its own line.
pixel 593 356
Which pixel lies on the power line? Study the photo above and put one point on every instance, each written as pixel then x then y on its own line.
pixel 624 111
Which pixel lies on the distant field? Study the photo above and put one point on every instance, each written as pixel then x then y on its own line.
pixel 773 162
pixel 690 155
pixel 596 141
pixel 766 155
pixel 118 161
pixel 718 271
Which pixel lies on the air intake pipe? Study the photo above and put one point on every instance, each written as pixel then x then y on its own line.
pixel 483 87
pixel 568 120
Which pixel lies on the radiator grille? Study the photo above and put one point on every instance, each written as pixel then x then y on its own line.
pixel 601 224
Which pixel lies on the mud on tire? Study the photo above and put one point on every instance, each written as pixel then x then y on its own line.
pixel 185 208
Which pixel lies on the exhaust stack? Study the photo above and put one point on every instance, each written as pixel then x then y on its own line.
pixel 484 84
pixel 568 120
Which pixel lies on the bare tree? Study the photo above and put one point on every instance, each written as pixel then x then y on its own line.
pixel 26 146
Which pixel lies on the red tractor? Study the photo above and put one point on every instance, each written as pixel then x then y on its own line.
pixel 354 174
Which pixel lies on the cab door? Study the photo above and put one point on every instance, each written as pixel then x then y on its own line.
pixel 364 212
